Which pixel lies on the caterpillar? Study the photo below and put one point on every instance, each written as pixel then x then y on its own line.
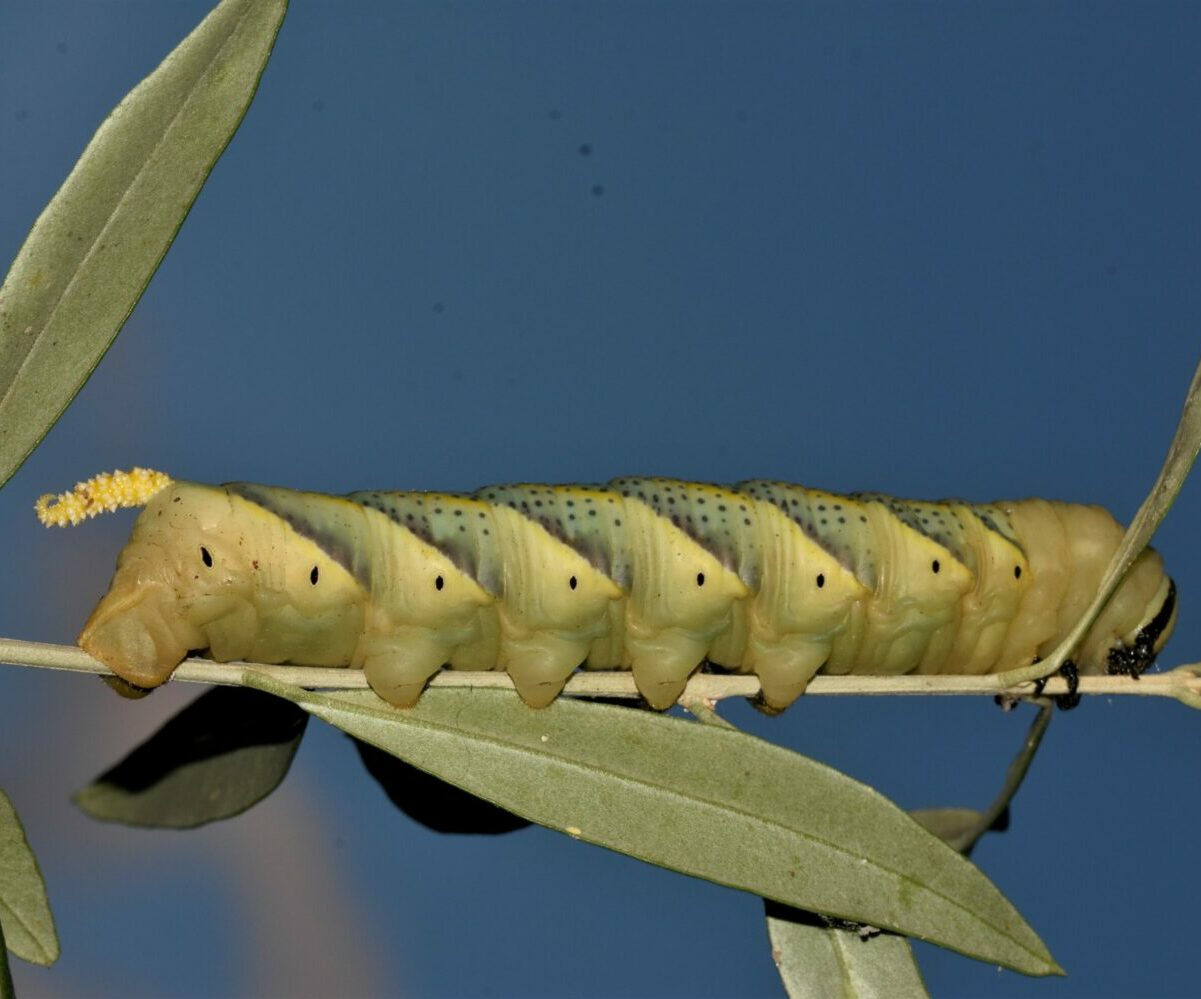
pixel 652 575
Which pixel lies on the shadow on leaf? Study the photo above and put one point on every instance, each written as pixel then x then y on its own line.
pixel 220 755
pixel 434 803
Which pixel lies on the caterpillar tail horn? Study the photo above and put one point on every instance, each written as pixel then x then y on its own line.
pixel 100 494
pixel 132 631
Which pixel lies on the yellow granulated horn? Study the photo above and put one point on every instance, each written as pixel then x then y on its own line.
pixel 103 493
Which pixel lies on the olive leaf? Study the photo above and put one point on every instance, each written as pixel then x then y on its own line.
pixel 220 755
pixel 1182 452
pixel 28 926
pixel 6 979
pixel 957 827
pixel 714 803
pixel 817 958
pixel 94 248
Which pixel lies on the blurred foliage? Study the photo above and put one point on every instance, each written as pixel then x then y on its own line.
pixel 28 926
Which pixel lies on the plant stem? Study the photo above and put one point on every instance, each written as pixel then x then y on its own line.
pixel 1013 779
pixel 1184 683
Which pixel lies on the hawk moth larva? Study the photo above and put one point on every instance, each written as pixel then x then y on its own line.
pixel 653 575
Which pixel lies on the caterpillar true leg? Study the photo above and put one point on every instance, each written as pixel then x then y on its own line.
pixel 1072 698
pixel 1065 702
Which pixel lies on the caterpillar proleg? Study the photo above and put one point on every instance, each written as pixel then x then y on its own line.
pixel 653 575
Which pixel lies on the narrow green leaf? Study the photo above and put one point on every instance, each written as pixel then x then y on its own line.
pixel 957 827
pixel 24 909
pixel 93 250
pixel 224 752
pixel 6 979
pixel 817 956
pixel 962 828
pixel 714 803
pixel 817 960
pixel 1182 452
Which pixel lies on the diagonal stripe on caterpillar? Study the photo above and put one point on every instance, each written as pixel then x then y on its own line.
pixel 654 575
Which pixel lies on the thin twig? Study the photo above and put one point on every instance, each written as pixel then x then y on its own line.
pixel 1013 779
pixel 1182 452
pixel 1183 684
pixel 703 710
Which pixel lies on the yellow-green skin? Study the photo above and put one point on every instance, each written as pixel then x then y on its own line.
pixel 652 575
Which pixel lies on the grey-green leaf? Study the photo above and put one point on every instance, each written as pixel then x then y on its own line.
pixel 815 957
pixel 91 253
pixel 24 908
pixel 224 752
pixel 955 826
pixel 817 960
pixel 1182 452
pixel 6 979
pixel 714 803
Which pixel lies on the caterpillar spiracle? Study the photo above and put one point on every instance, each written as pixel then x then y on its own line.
pixel 653 575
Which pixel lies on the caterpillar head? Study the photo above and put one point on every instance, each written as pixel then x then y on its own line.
pixel 1134 653
pixel 1135 624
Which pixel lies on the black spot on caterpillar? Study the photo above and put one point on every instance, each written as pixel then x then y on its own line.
pixel 653 575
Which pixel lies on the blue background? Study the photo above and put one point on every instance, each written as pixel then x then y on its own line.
pixel 926 249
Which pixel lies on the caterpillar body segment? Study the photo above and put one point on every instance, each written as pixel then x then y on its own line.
pixel 653 575
pixel 205 568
